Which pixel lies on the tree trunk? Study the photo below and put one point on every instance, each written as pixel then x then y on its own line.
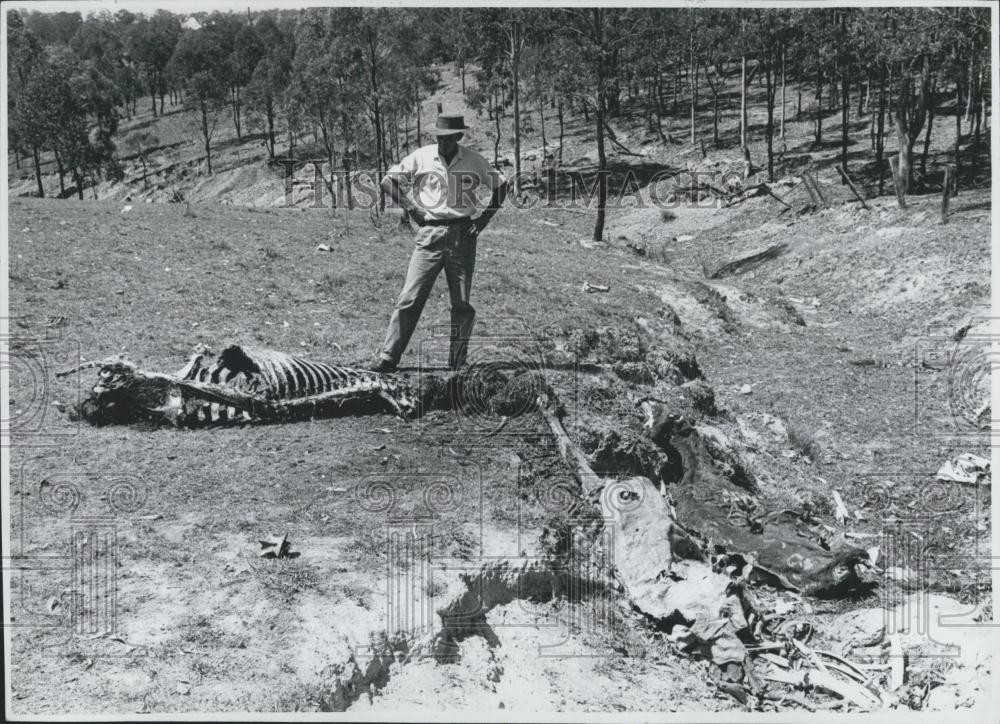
pixel 659 92
pixel 62 173
pixel 715 118
pixel 958 132
pixel 782 95
pixel 905 153
pixel 612 107
pixel 515 63
pixel 541 118
pixel 394 144
pixel 648 106
pixel 888 90
pixel 871 131
pixel 419 134
pixel 346 159
pixel 78 180
pixel 270 129
pixel 743 106
pixel 602 181
pixel 235 92
pixel 911 113
pixel 559 108
pixel 152 97
pixel 677 84
pixel 927 142
pixel 38 171
pixel 979 119
pixel 769 132
pixel 970 89
pixel 845 102
pixel 880 136
pixel 330 160
pixel 204 133
pixel 376 116
pixel 348 181
pixel 657 106
pixel 694 90
pixel 496 141
pixel 819 106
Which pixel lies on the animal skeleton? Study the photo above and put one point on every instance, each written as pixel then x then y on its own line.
pixel 241 384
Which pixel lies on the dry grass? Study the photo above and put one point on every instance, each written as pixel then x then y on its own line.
pixel 803 440
pixel 188 278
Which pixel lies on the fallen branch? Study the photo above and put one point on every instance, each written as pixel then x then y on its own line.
pixel 738 265
pixel 751 191
pixel 775 196
pixel 850 184
pixel 571 454
pixel 816 191
pixel 613 137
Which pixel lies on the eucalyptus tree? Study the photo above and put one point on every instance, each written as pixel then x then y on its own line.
pixel 265 91
pixel 150 44
pixel 599 34
pixel 195 65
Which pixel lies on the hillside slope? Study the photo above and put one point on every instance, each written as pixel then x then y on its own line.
pixel 854 361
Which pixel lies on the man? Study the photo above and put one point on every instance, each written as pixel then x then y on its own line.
pixel 442 200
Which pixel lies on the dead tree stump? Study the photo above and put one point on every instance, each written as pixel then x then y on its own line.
pixel 946 192
pixel 897 182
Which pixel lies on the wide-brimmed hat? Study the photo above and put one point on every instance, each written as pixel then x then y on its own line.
pixel 447 125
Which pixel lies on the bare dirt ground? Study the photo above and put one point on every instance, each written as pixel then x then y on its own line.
pixel 854 362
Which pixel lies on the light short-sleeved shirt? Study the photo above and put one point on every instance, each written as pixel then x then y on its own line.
pixel 446 191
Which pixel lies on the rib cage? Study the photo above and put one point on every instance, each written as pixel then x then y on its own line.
pixel 241 384
pixel 278 376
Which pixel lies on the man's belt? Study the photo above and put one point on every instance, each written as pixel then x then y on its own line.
pixel 445 222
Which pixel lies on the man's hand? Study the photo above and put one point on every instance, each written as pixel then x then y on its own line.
pixel 417 214
pixel 390 184
pixel 499 194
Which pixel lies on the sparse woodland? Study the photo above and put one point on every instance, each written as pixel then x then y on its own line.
pixel 732 459
pixel 355 79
